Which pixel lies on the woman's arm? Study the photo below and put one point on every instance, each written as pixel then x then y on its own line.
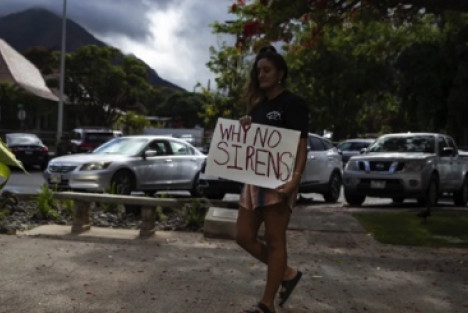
pixel 301 159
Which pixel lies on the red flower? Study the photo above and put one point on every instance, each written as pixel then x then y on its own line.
pixel 251 28
pixel 233 7
pixel 240 2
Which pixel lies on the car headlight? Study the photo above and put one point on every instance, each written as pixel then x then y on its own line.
pixel 414 166
pixel 95 166
pixel 352 166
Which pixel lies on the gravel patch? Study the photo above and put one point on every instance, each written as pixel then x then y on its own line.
pixel 20 214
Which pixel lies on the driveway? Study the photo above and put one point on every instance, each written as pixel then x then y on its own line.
pixel 345 269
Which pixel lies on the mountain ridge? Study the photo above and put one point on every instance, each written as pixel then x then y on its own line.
pixel 40 27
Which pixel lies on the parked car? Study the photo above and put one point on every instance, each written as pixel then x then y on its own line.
pixel 28 148
pixel 88 138
pixel 351 147
pixel 408 165
pixel 144 163
pixel 322 174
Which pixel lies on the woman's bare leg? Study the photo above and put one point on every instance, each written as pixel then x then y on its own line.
pixel 248 223
pixel 276 218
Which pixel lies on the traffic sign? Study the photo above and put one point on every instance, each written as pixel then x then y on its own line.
pixel 21 115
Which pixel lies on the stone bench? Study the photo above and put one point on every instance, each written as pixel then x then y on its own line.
pixel 82 205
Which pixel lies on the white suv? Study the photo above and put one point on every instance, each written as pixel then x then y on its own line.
pixel 323 173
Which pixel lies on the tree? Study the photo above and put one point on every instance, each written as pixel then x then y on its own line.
pixel 44 59
pixel 182 107
pixel 352 60
pixel 230 66
pixel 132 123
pixel 104 82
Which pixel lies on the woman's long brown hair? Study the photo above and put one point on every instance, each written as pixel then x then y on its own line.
pixel 252 93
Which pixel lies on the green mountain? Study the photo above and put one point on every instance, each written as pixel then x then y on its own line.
pixel 40 27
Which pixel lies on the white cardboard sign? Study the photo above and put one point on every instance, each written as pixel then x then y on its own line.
pixel 259 155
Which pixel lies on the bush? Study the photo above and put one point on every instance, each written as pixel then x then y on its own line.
pixel 194 214
pixel 46 205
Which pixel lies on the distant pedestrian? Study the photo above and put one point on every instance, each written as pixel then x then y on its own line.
pixel 270 103
pixel 65 146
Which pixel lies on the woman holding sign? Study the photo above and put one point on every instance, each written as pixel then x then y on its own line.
pixel 270 103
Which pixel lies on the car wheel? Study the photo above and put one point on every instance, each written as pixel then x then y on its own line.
pixel 398 199
pixel 334 188
pixel 43 165
pixel 123 182
pixel 195 191
pixel 432 193
pixel 354 199
pixel 460 197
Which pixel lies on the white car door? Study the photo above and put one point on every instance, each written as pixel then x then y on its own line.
pixel 317 164
pixel 186 164
pixel 156 171
pixel 455 174
pixel 445 164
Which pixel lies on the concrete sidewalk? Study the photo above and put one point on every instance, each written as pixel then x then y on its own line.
pixel 104 270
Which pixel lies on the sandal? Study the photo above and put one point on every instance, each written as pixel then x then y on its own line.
pixel 288 287
pixel 259 308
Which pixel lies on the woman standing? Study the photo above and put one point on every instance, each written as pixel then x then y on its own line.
pixel 270 103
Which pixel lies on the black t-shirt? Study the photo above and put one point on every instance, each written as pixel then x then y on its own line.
pixel 287 110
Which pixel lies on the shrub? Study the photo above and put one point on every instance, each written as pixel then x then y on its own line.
pixel 194 214
pixel 46 205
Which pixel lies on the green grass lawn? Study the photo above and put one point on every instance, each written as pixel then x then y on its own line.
pixel 444 228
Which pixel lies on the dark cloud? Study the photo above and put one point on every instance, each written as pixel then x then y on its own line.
pixel 105 17
pixel 179 53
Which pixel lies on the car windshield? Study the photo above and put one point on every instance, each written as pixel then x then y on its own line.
pixel 416 143
pixel 23 140
pixel 98 137
pixel 123 146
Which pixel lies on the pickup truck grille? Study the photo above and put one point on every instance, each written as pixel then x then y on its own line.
pixel 381 166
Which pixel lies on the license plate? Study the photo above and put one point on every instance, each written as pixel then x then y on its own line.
pixel 55 178
pixel 377 184
pixel 28 152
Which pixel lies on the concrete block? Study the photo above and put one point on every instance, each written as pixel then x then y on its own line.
pixel 220 223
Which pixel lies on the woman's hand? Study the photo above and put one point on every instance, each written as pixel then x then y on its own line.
pixel 288 188
pixel 245 121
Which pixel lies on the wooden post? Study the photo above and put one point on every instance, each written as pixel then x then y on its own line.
pixel 148 225
pixel 81 221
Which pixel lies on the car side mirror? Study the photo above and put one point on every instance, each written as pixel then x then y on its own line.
pixel 340 152
pixel 150 153
pixel 447 151
pixel 363 150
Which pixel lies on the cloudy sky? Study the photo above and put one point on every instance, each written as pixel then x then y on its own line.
pixel 172 36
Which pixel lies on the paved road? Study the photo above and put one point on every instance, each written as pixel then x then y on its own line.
pixel 31 184
pixel 20 182
pixel 345 271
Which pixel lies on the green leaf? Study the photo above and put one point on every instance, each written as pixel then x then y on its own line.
pixel 5 174
pixel 8 158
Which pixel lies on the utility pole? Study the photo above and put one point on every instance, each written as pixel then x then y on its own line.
pixel 62 71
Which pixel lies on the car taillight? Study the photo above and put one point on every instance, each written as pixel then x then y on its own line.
pixel 44 149
pixel 14 150
pixel 86 146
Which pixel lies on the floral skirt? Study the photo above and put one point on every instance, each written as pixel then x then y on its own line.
pixel 253 197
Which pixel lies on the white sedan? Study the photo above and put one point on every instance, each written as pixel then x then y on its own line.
pixel 144 163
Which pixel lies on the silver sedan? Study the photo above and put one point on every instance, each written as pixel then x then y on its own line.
pixel 133 163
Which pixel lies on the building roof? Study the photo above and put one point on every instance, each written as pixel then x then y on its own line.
pixel 16 69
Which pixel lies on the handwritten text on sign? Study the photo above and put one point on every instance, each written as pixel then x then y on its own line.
pixel 259 155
